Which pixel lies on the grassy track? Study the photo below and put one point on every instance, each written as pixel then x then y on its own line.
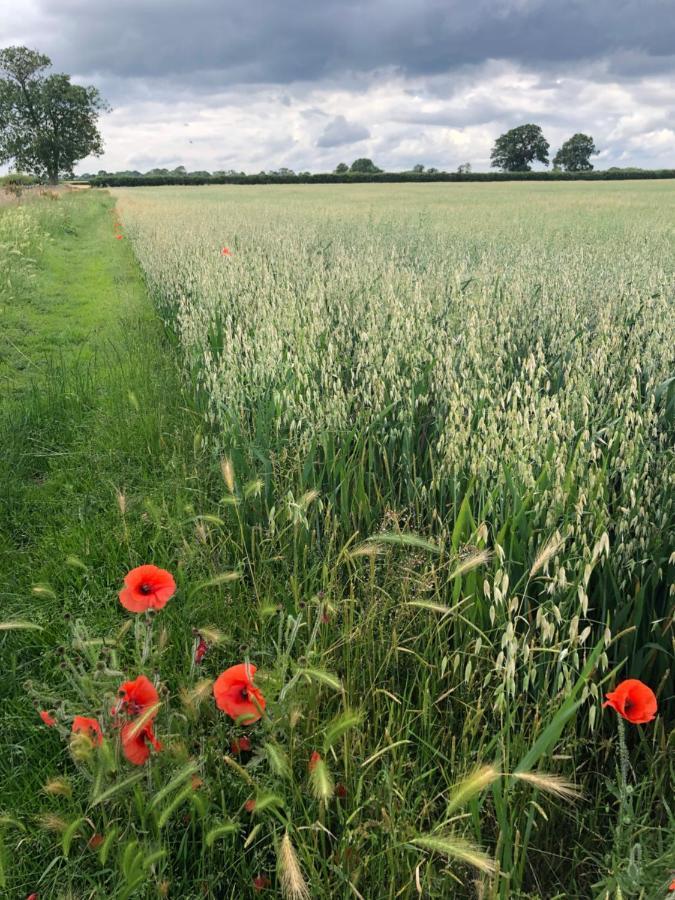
pixel 72 297
pixel 99 416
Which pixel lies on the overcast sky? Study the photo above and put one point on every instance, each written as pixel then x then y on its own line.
pixel 214 84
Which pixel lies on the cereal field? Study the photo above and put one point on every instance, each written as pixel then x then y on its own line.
pixel 417 477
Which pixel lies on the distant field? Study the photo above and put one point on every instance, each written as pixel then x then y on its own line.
pixel 408 450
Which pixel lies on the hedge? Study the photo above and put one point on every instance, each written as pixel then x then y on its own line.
pixel 384 177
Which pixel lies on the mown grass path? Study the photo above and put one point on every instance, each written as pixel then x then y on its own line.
pixel 92 425
pixel 85 281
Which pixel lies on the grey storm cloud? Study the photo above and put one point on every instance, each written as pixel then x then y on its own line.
pixel 264 41
pixel 340 132
pixel 214 84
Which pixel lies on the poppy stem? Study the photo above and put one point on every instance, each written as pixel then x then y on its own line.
pixel 147 641
pixel 624 765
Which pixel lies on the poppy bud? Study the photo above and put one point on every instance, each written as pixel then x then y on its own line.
pixel 261 883
pixel 240 745
pixel 249 806
pixel 340 791
pixel 201 650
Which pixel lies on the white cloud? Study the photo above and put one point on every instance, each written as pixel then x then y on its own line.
pixel 440 120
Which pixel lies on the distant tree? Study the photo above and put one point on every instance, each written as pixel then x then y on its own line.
pixel 464 168
pixel 575 154
pixel 47 124
pixel 518 148
pixel 364 167
pixel 432 171
pixel 341 169
pixel 285 172
pixel 179 170
pixel 418 169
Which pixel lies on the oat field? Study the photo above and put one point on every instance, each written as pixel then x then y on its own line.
pixel 414 471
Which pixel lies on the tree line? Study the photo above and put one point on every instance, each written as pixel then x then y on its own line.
pixel 48 124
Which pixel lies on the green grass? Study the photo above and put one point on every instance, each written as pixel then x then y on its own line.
pixel 66 298
pixel 360 583
pixel 97 412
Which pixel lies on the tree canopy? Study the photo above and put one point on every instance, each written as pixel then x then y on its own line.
pixel 516 150
pixel 47 123
pixel 575 154
pixel 364 165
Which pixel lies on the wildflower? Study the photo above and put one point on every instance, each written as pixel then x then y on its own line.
pixel 200 652
pixel 137 696
pixel 32 896
pixel 48 719
pixel 147 587
pixel 314 760
pixel 236 694
pixel 95 841
pixel 261 883
pixel 135 742
pixel 671 886
pixel 633 700
pixel 89 727
pixel 226 251
pixel 249 806
pixel 340 791
pixel 119 237
pixel 240 745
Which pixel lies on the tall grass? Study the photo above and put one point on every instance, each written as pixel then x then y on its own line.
pixel 419 473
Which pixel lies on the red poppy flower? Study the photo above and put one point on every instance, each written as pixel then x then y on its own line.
pixel 236 694
pixel 49 720
pixel 313 760
pixel 249 806
pixel 95 841
pixel 226 251
pixel 240 745
pixel 32 897
pixel 200 652
pixel 90 727
pixel 135 742
pixel 633 700
pixel 147 587
pixel 137 696
pixel 340 791
pixel 671 886
pixel 119 237
pixel 261 883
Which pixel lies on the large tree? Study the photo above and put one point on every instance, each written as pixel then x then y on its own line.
pixel 364 166
pixel 47 123
pixel 575 154
pixel 516 150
